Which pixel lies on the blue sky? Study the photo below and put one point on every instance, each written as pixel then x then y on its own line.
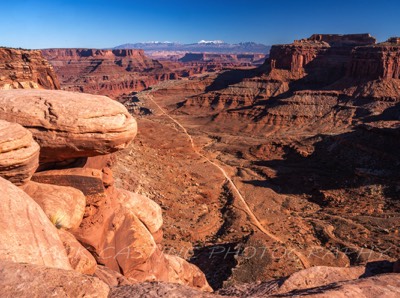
pixel 100 24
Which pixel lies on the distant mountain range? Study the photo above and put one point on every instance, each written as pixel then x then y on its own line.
pixel 203 46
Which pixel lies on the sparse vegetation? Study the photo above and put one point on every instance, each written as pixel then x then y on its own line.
pixel 58 219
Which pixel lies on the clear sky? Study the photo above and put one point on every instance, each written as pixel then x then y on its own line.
pixel 100 23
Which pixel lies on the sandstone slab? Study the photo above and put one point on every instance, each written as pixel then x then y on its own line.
pixel 387 285
pixel 123 230
pixel 182 272
pixel 27 280
pixel 64 206
pixel 111 277
pixel 69 125
pixel 158 290
pixel 19 153
pixel 80 259
pixel 27 235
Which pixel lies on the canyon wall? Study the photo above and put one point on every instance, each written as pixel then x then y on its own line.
pixel 350 65
pixel 106 72
pixel 323 58
pixel 26 69
pixel 120 71
pixel 225 59
pixel 381 61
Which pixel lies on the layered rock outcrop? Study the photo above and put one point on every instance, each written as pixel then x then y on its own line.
pixel 335 66
pixel 226 60
pixel 323 58
pixel 378 61
pixel 19 153
pixel 122 71
pixel 129 59
pixel 26 69
pixel 106 72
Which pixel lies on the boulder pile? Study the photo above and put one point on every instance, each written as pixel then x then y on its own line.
pixel 60 208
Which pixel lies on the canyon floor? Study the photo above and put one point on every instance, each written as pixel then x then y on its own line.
pixel 280 179
pixel 247 206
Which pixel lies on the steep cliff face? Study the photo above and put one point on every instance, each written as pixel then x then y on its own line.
pixel 106 72
pixel 347 66
pixel 380 61
pixel 26 69
pixel 128 59
pixel 321 59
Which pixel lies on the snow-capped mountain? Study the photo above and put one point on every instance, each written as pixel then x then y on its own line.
pixel 211 41
pixel 203 46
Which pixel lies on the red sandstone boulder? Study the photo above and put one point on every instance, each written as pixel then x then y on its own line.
pixel 69 125
pixel 64 206
pixel 319 276
pixel 122 230
pixel 128 245
pixel 387 285
pixel 80 259
pixel 321 280
pixel 27 235
pixel 19 153
pixel 182 272
pixel 111 277
pixel 146 210
pixel 27 280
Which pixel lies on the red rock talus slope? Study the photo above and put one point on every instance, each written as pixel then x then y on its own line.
pixel 26 69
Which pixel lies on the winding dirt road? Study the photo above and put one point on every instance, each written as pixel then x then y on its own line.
pixel 246 209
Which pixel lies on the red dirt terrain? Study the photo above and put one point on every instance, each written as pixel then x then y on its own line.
pixel 303 150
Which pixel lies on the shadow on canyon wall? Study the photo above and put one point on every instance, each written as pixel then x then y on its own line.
pixel 365 156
